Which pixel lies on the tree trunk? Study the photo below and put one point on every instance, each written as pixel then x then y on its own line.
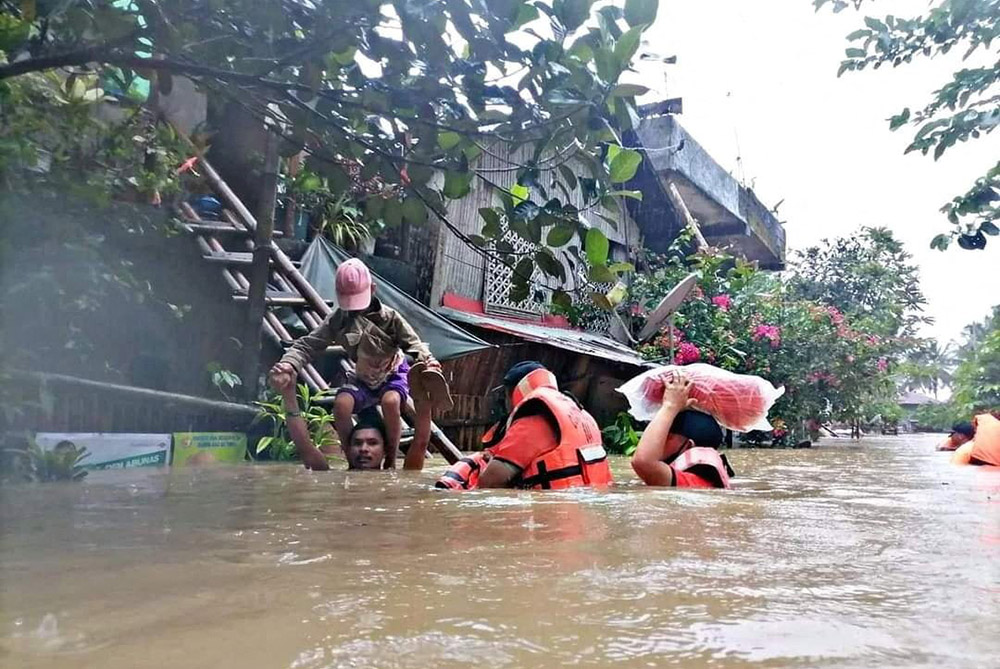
pixel 260 271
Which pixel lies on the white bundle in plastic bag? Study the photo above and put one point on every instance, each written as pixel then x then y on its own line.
pixel 739 402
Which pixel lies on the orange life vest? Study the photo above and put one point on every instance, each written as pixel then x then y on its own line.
pixel 579 458
pixel 986 445
pixel 706 462
pixel 464 474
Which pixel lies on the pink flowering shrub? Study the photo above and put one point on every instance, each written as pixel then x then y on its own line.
pixel 722 301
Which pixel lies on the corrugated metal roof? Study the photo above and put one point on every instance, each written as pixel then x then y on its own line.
pixel 576 341
pixel 916 399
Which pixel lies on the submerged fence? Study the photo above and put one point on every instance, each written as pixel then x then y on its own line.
pixel 38 402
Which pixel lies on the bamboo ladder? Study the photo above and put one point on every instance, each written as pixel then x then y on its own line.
pixel 238 225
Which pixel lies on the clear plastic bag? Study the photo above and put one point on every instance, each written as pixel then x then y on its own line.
pixel 739 402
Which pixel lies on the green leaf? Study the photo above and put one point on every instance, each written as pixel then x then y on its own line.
pixel 640 12
pixel 548 264
pixel 345 57
pixel 492 228
pixel 900 119
pixel 448 140
pixel 601 301
pixel 941 242
pixel 562 299
pixel 568 176
pixel 523 270
pixel 858 34
pixel 611 204
pixel 597 247
pixel 525 14
pixel 610 220
pixel 414 210
pixel 989 228
pixel 573 13
pixel 624 165
pixel 560 235
pixel 854 52
pixel 519 193
pixel 263 443
pixel 601 274
pixel 621 267
pixel 631 194
pixel 627 46
pixel 518 292
pixel 875 24
pixel 628 90
pixel 457 184
pixel 478 240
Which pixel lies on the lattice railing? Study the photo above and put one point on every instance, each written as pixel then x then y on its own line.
pixel 499 278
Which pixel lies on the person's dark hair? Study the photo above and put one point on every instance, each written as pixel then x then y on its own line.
pixel 965 429
pixel 519 371
pixel 699 427
pixel 368 420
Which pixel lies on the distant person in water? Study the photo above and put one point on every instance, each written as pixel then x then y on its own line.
pixel 984 449
pixel 365 446
pixel 961 433
pixel 378 340
pixel 678 447
pixel 544 439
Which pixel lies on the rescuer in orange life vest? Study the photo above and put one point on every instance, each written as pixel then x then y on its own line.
pixel 544 439
pixel 678 447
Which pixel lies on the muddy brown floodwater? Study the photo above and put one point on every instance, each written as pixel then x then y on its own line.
pixel 878 554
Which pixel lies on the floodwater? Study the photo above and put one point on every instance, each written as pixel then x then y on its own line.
pixel 873 555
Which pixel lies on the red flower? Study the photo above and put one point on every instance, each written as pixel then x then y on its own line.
pixel 722 301
pixel 771 333
pixel 687 353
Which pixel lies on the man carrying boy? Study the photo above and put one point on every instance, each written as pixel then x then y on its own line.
pixel 377 340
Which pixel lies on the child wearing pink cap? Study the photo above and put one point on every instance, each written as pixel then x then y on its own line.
pixel 377 340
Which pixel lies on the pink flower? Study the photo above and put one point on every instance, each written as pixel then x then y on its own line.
pixel 687 353
pixel 850 358
pixel 835 316
pixel 722 301
pixel 873 340
pixel 882 364
pixel 771 333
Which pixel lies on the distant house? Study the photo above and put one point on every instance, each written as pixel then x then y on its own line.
pixel 910 402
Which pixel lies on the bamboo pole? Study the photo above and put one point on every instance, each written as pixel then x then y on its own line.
pixel 689 220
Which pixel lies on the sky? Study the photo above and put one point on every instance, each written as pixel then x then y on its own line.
pixel 761 95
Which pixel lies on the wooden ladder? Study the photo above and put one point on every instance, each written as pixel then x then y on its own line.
pixel 294 291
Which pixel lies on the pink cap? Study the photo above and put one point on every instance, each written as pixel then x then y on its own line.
pixel 354 285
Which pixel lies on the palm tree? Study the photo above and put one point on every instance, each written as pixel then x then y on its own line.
pixel 929 367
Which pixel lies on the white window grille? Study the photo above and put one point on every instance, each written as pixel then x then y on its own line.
pixel 499 278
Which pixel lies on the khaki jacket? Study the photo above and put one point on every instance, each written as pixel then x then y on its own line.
pixel 380 328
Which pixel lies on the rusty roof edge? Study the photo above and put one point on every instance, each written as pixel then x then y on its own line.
pixel 576 341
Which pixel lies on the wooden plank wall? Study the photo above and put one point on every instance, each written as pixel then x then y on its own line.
pixel 471 377
pixel 460 269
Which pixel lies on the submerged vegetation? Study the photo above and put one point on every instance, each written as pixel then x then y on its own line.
pixel 23 460
pixel 279 445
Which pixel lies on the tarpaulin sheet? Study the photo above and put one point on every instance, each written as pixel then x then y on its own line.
pixel 445 339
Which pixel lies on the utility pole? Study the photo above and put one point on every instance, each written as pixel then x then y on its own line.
pixel 260 271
